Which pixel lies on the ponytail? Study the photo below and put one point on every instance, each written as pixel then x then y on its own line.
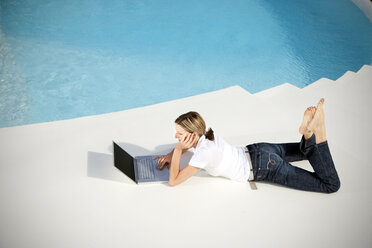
pixel 209 134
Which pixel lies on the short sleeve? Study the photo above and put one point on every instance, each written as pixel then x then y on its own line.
pixel 200 158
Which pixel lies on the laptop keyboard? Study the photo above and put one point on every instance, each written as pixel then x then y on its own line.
pixel 146 169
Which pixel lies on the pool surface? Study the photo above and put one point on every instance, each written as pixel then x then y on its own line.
pixel 66 59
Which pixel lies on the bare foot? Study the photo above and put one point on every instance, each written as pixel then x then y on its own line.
pixel 317 124
pixel 308 116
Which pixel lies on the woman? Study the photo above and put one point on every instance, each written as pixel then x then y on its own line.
pixel 255 162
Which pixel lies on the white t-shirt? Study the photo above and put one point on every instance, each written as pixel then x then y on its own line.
pixel 219 158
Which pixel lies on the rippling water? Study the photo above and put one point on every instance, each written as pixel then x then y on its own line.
pixel 65 59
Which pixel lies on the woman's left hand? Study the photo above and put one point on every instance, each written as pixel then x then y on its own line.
pixel 187 141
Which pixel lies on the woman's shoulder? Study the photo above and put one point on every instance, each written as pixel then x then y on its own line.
pixel 205 144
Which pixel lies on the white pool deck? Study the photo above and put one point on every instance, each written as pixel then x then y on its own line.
pixel 59 188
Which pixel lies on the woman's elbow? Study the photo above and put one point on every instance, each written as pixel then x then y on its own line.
pixel 172 183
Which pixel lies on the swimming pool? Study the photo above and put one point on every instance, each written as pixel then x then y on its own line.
pixel 66 59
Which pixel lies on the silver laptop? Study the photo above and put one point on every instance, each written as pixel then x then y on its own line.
pixel 141 169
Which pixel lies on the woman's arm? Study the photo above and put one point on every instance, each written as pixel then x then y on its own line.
pixel 175 175
pixel 171 153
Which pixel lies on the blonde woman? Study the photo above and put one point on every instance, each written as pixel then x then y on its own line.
pixel 255 162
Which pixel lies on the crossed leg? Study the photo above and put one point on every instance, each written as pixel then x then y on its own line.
pixel 272 161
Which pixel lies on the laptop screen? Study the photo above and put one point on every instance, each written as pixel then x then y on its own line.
pixel 123 161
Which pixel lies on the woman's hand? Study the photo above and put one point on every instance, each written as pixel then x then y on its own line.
pixel 187 141
pixel 163 160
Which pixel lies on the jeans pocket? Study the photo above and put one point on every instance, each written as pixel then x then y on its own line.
pixel 276 171
pixel 273 161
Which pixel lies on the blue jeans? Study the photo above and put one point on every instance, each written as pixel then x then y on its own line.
pixel 271 163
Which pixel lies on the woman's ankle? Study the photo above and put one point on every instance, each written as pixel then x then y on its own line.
pixel 308 135
pixel 320 137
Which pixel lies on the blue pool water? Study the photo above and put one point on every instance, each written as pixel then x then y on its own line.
pixel 65 59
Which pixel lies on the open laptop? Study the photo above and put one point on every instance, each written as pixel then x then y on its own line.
pixel 141 169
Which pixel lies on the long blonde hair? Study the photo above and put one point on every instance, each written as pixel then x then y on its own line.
pixel 193 122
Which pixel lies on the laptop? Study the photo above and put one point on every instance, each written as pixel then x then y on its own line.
pixel 141 169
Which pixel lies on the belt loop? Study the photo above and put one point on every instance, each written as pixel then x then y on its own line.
pixel 251 176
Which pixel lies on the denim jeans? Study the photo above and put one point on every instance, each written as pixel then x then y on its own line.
pixel 271 163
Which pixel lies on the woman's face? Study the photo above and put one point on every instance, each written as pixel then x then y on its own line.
pixel 179 132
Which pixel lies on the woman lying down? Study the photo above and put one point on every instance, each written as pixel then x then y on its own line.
pixel 255 162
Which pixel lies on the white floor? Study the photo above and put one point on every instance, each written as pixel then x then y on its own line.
pixel 58 186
